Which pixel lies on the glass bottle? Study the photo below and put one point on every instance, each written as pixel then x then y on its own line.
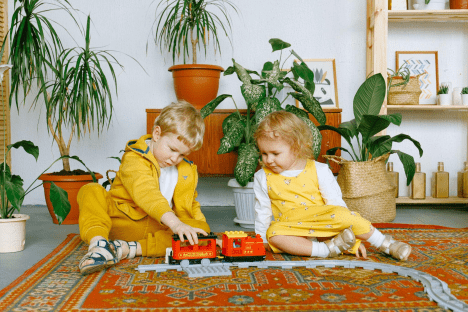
pixel 418 184
pixel 440 182
pixel 463 182
pixel 393 176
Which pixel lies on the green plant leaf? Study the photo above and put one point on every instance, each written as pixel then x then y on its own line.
pixel 386 146
pixel 253 94
pixel 271 76
pixel 211 106
pixel 371 125
pixel 303 71
pixel 59 200
pixel 351 126
pixel 14 189
pixel 230 120
pixel 278 44
pixel 408 165
pixel 266 106
pixel 28 147
pixel 308 101
pixel 296 111
pixel 317 137
pixel 247 162
pixel 233 137
pixel 375 143
pixel 393 118
pixel 369 97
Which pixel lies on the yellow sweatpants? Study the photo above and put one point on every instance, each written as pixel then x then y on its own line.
pixel 99 216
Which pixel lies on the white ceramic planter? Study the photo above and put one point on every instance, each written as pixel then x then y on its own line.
pixel 445 99
pixel 464 99
pixel 244 200
pixel 433 5
pixel 13 233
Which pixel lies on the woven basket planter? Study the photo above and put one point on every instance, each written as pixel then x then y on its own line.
pixel 366 188
pixel 405 94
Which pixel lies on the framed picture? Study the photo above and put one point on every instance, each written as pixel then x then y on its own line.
pixel 326 90
pixel 424 63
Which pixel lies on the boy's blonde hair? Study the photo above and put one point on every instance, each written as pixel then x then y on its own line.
pixel 290 128
pixel 183 120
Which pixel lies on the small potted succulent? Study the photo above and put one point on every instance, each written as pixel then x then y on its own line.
pixel 182 27
pixel 464 95
pixel 261 92
pixel 443 96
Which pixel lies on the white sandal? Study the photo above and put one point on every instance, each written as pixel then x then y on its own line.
pixel 103 256
pixel 343 241
pixel 132 248
pixel 397 250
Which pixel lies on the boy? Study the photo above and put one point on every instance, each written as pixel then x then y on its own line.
pixel 152 197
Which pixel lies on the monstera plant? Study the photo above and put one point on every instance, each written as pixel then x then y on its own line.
pixel 262 96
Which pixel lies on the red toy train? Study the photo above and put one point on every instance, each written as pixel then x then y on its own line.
pixel 237 247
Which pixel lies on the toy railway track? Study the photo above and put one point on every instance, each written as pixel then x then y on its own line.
pixel 436 289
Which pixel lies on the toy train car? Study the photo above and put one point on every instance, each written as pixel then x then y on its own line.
pixel 237 246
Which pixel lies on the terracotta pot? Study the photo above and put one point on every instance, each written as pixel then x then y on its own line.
pixel 71 184
pixel 13 232
pixel 458 4
pixel 196 83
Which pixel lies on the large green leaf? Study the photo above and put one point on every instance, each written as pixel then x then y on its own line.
pixel 386 146
pixel 369 97
pixel 408 165
pixel 303 71
pixel 211 106
pixel 253 94
pixel 341 131
pixel 375 142
pixel 307 100
pixel 271 76
pixel 59 200
pixel 266 106
pixel 296 111
pixel 28 147
pixel 371 125
pixel 393 118
pixel 13 185
pixel 278 44
pixel 247 161
pixel 351 126
pixel 317 137
pixel 230 120
pixel 233 137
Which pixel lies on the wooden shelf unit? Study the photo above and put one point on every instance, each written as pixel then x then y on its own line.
pixel 209 163
pixel 431 200
pixel 378 17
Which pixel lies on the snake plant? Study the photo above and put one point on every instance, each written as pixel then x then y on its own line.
pixel 262 97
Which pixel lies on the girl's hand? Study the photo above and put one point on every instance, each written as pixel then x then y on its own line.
pixel 362 250
pixel 219 242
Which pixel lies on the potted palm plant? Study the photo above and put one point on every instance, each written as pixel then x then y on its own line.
pixel 363 180
pixel 72 84
pixel 262 96
pixel 182 27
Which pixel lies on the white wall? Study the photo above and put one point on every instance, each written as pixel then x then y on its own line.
pixel 315 28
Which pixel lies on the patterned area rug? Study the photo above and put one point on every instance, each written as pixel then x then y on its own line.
pixel 55 284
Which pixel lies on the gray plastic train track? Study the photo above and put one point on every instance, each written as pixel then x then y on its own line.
pixel 436 289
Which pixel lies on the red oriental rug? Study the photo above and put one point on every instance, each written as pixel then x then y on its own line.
pixel 55 284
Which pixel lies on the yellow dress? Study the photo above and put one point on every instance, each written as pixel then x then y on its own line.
pixel 299 209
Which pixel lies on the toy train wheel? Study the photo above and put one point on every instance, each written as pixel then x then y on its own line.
pixel 185 263
pixel 205 262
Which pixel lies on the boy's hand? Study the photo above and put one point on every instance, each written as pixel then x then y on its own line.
pixel 267 246
pixel 181 229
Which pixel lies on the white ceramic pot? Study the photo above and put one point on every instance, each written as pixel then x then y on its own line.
pixel 432 5
pixel 456 96
pixel 244 200
pixel 464 99
pixel 445 99
pixel 13 233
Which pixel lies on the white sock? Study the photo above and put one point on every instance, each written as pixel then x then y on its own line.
pixel 377 238
pixel 320 250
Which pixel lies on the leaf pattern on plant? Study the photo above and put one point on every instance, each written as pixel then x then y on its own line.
pixel 233 137
pixel 272 76
pixel 296 111
pixel 247 161
pixel 230 120
pixel 252 93
pixel 265 106
pixel 317 143
pixel 211 106
pixel 307 100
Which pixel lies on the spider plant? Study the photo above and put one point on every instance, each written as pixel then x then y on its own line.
pixel 79 95
pixel 402 72
pixel 180 24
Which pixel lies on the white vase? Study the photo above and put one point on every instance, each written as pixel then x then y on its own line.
pixel 432 5
pixel 464 99
pixel 13 233
pixel 445 99
pixel 244 200
pixel 456 96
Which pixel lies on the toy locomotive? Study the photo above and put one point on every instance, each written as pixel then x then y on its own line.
pixel 237 246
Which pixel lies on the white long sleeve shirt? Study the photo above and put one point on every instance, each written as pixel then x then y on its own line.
pixel 328 187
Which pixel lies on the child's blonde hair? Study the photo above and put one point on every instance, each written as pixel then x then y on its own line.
pixel 290 128
pixel 183 120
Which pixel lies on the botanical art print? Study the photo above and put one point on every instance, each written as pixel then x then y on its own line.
pixel 424 64
pixel 326 92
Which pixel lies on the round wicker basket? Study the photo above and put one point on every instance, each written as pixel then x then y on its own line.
pixel 404 94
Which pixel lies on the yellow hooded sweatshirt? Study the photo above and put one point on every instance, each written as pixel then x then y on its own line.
pixel 133 207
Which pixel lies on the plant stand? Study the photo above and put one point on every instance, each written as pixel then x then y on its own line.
pixel 13 233
pixel 244 200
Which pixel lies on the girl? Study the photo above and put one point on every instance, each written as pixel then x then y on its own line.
pixel 304 198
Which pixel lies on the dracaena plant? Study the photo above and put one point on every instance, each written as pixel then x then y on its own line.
pixel 361 133
pixel 262 96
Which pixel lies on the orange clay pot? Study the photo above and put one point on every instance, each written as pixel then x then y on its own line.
pixel 458 4
pixel 196 83
pixel 71 184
